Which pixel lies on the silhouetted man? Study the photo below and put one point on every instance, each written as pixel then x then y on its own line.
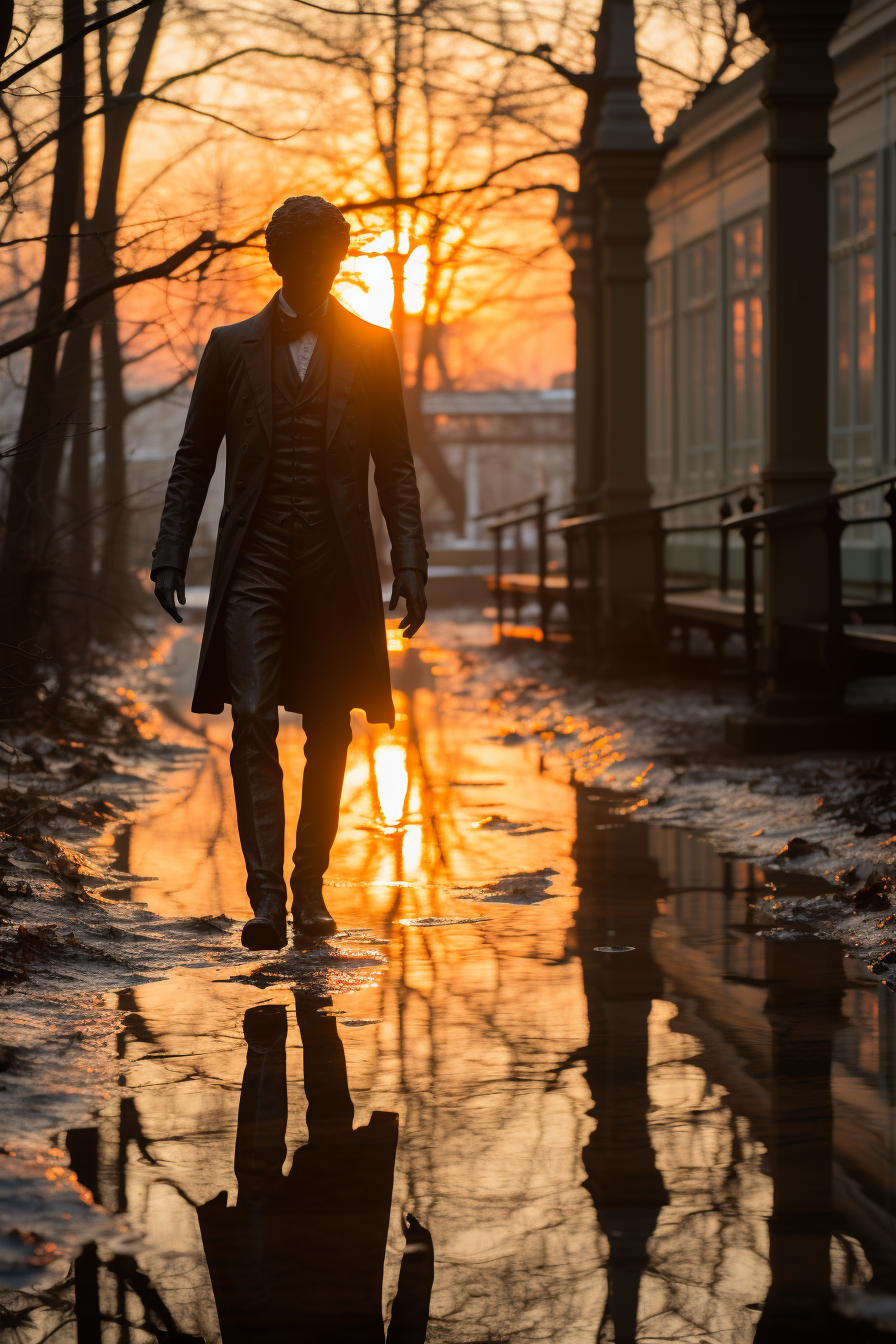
pixel 305 393
pixel 300 1257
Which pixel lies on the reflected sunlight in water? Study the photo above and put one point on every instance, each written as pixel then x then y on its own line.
pixel 391 771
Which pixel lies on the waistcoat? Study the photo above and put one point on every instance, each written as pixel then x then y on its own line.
pixel 296 481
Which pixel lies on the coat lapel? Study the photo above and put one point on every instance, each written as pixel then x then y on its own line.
pixel 256 350
pixel 344 355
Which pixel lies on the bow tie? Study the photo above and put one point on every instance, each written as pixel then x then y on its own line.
pixel 294 328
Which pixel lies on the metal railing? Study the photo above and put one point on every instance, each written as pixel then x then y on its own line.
pixel 833 525
pixel 515 516
pixel 583 531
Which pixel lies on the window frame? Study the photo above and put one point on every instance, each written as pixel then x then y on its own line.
pixel 754 447
pixel 849 468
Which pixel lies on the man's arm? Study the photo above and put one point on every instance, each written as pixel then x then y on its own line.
pixel 396 486
pixel 194 464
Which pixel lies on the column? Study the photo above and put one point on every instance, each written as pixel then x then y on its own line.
pixel 806 984
pixel 620 884
pixel 798 92
pixel 624 163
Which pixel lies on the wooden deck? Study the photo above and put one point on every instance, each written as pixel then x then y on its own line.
pixel 527 584
pixel 707 609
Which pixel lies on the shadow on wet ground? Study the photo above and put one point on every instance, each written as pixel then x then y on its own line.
pixel 560 1077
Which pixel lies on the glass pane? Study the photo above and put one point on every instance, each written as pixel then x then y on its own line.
pixel 738 255
pixel 841 457
pixel 695 361
pixel 865 201
pixel 862 455
pixel 738 352
pixel 709 268
pixel 865 339
pixel 755 405
pixel 756 250
pixel 842 212
pixel 709 376
pixel 841 336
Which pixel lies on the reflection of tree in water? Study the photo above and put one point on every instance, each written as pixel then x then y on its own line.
pixel 585 1172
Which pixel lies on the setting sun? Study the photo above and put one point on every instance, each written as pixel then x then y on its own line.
pixel 365 284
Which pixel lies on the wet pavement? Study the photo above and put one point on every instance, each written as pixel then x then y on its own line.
pixel 560 1077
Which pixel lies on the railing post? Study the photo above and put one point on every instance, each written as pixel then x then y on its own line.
pixel 569 540
pixel 890 501
pixel 748 533
pixel 725 512
pixel 659 574
pixel 541 524
pixel 591 639
pixel 499 596
pixel 517 596
pixel 835 641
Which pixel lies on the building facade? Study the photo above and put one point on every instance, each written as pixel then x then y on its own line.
pixel 708 300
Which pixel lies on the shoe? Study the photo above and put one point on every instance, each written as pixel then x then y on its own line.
pixel 310 915
pixel 266 930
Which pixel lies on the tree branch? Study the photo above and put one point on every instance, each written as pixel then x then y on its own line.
pixel 160 271
pixel 70 41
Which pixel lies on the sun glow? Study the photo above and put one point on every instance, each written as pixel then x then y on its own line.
pixel 366 284
pixel 390 768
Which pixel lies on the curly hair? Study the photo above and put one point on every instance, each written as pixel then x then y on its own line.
pixel 300 217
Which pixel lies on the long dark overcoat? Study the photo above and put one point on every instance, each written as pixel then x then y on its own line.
pixel 233 400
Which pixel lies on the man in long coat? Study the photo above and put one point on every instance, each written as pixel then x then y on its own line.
pixel 304 394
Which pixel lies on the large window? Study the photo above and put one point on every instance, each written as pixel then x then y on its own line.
pixel 746 430
pixel 853 218
pixel 660 392
pixel 700 456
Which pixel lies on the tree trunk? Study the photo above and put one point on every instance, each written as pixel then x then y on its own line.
pixel 423 445
pixel 6 14
pixel 115 581
pixel 27 513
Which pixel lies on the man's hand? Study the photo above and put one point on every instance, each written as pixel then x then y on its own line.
pixel 169 582
pixel 409 584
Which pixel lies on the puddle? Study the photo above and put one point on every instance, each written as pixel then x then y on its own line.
pixel 465 1112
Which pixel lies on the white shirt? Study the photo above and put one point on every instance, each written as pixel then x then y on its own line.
pixel 302 349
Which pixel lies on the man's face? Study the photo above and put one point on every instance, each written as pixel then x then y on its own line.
pixel 308 271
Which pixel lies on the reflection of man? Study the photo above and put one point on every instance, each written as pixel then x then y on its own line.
pixel 305 394
pixel 300 1257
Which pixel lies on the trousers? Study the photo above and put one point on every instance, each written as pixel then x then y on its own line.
pixel 291 597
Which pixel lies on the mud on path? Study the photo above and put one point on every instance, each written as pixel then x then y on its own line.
pixel 496 854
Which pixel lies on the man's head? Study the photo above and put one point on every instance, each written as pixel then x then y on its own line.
pixel 307 240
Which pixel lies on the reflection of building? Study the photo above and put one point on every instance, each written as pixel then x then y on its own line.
pixel 780 1039
pixel 708 309
pixel 622 1175
pixel 802 1043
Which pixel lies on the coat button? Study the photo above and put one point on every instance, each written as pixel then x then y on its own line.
pixel 240 485
pixel 248 419
pixel 361 510
pixel 241 522
pixel 350 444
